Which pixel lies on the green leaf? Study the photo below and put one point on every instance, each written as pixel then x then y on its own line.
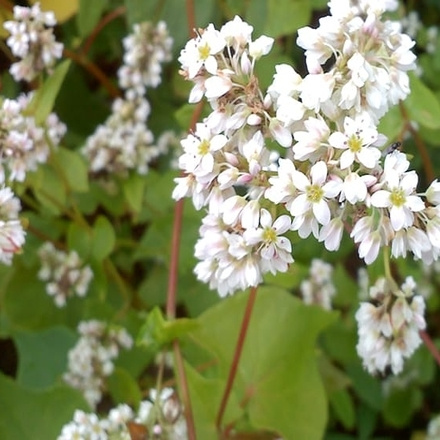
pixel 400 404
pixel 26 303
pixel 89 14
pixel 49 189
pixel 157 332
pixel 43 99
pixel 124 388
pixel 204 391
pixel 79 238
pixel 34 415
pixel 104 238
pixel 422 105
pixel 43 355
pixel 391 125
pixel 138 10
pixel 277 367
pixel 286 16
pixel 367 387
pixel 74 169
pixel 343 406
pixel 134 190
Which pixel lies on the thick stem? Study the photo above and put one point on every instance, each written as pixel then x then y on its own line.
pixel 237 354
pixel 430 346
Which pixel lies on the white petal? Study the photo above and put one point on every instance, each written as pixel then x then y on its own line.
pixel 321 212
pixel 381 199
pixel 300 205
pixel 318 173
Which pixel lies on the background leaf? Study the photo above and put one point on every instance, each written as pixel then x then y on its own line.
pixel 89 14
pixel 278 364
pixel 35 415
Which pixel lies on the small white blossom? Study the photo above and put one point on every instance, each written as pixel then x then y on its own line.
pixel 33 41
pixel 389 331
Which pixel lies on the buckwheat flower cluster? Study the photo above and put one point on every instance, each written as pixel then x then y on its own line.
pixel 12 235
pixel 319 288
pixel 91 360
pixel 372 58
pixel 124 143
pixel 160 416
pixel 388 327
pixel 23 143
pixel 64 273
pixel 145 50
pixel 337 173
pixel 32 40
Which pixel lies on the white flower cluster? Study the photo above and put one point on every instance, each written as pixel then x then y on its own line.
pixel 145 51
pixel 23 143
pixel 91 360
pixel 433 430
pixel 32 40
pixel 64 273
pixel 124 142
pixel 319 288
pixel 335 174
pixel 159 417
pixel 389 327
pixel 12 235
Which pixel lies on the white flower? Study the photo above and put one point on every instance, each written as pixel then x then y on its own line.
pixel 261 46
pixel 275 249
pixel 282 189
pixel 313 194
pixel 237 33
pixel 399 198
pixel 317 89
pixel 200 149
pixel 200 52
pixel 433 193
pixel 310 141
pixel 331 234
pixel 357 142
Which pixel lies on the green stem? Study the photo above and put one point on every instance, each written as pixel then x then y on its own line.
pixel 386 263
pixel 113 272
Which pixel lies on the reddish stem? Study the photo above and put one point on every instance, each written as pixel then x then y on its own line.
pixel 184 389
pixel 173 274
pixel 95 71
pixel 430 346
pixel 237 354
pixel 191 18
pixel 174 261
pixel 424 154
pixel 104 22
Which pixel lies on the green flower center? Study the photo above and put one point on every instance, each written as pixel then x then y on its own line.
pixel 204 147
pixel 355 144
pixel 397 197
pixel 204 51
pixel 314 193
pixel 269 235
